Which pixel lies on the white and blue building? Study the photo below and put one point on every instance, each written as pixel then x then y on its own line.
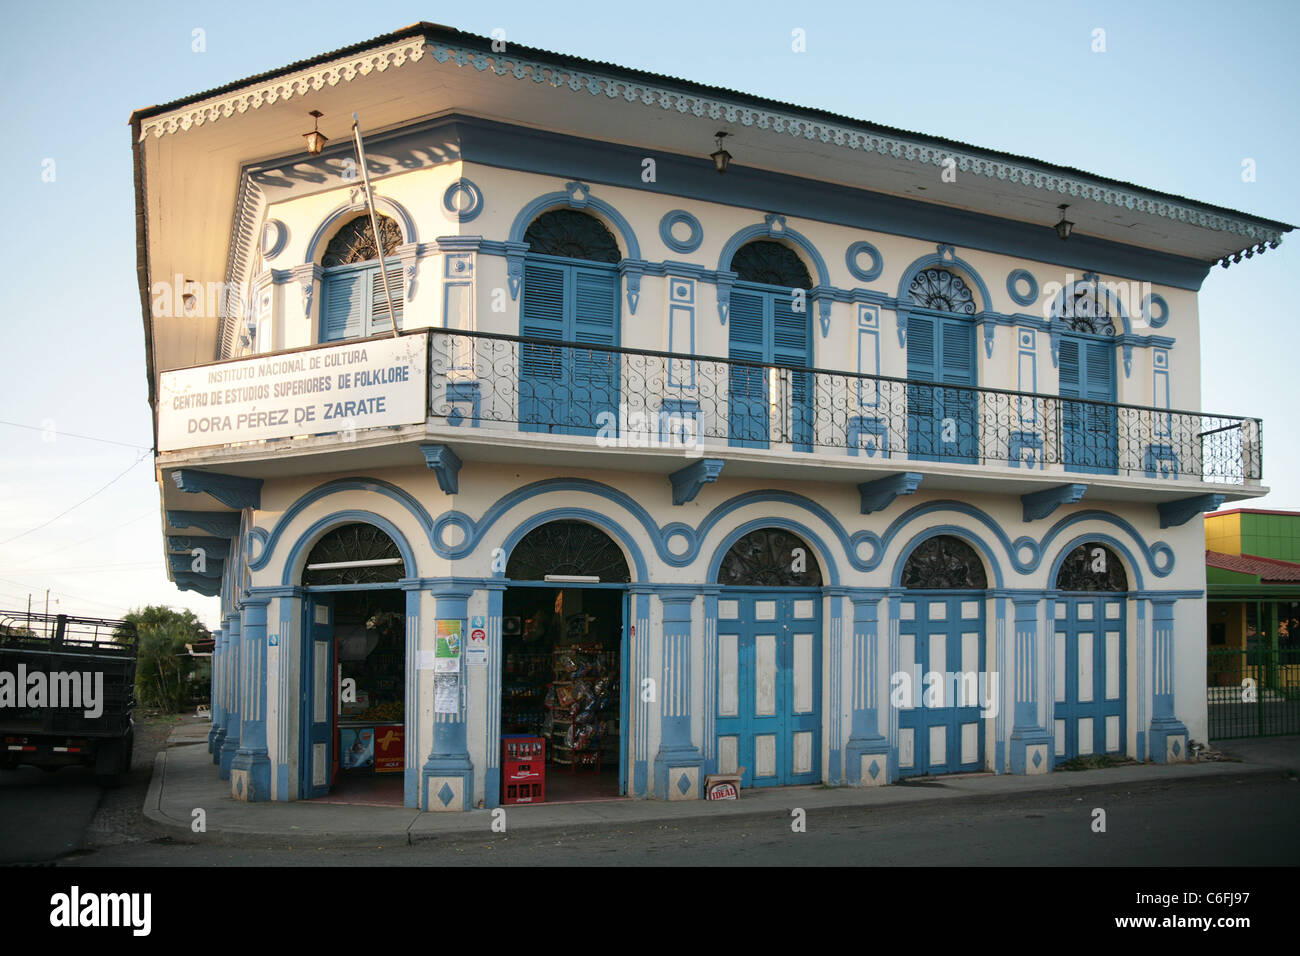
pixel 849 410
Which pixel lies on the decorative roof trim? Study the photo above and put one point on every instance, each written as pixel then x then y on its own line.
pixel 413 49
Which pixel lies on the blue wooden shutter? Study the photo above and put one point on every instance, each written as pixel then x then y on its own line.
pixel 920 348
pixel 747 385
pixel 380 321
pixel 342 306
pixel 790 346
pixel 1069 368
pixel 595 372
pixel 542 318
pixel 958 353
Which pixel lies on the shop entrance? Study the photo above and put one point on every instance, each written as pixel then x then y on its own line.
pixel 354 670
pixel 562 659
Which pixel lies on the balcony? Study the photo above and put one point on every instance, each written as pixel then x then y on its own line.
pixel 507 399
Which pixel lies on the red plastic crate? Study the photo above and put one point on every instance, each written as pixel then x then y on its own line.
pixel 523 770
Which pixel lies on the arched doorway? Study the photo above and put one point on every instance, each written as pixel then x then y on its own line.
pixel 563 654
pixel 770 322
pixel 1086 362
pixel 354 303
pixel 942 423
pixel 570 295
pixel 354 667
pixel 1090 653
pixel 768 717
pixel 941 651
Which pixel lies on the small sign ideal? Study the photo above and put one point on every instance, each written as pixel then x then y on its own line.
pixel 723 791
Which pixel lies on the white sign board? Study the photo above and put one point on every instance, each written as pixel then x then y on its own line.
pixel 342 388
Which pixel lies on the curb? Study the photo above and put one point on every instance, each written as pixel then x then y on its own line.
pixel 699 811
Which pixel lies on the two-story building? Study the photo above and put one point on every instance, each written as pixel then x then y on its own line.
pixel 824 450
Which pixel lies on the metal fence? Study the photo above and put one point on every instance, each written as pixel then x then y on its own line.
pixel 1253 693
pixel 640 398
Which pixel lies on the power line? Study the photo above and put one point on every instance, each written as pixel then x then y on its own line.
pixel 97 534
pixel 79 503
pixel 50 431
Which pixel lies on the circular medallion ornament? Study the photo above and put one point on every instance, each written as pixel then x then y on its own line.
pixel 680 217
pixel 463 200
pixel 854 257
pixel 1022 287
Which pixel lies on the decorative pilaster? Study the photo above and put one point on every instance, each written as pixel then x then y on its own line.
pixel 867 757
pixel 639 654
pixel 677 765
pixel 835 709
pixel 234 688
pixel 710 729
pixel 492 783
pixel 447 778
pixel 1030 743
pixel 895 609
pixel 217 730
pixel 250 770
pixel 1168 737
pixel 411 730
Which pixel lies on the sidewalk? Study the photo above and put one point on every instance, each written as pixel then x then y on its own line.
pixel 185 778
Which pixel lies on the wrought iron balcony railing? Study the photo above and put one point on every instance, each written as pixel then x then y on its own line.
pixel 638 398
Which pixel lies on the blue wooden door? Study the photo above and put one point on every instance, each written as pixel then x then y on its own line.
pixel 319 705
pixel 942 422
pixel 564 389
pixel 940 729
pixel 1089 432
pixel 768 707
pixel 768 327
pixel 1090 679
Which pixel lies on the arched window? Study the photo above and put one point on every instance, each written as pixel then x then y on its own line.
pixel 567 547
pixel 355 553
pixel 1092 566
pixel 571 287
pixel 770 263
pixel 943 423
pixel 942 291
pixel 1086 363
pixel 353 303
pixel 769 321
pixel 770 557
pixel 944 563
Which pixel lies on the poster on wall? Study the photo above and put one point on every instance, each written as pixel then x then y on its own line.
pixel 390 753
pixel 446 649
pixel 446 693
pixel 344 388
pixel 356 748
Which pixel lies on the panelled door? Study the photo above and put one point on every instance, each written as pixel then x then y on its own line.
pixel 942 423
pixel 769 403
pixel 1090 678
pixel 319 683
pixel 769 686
pixel 564 389
pixel 1089 431
pixel 940 729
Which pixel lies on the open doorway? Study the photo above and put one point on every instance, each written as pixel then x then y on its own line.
pixel 562 660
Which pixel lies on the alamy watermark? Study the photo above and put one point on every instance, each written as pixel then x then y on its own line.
pixel 60 690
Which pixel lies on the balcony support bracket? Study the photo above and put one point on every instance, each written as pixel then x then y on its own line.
pixel 1175 513
pixel 688 481
pixel 223 524
pixel 880 494
pixel 445 464
pixel 1040 504
pixel 212 547
pixel 232 491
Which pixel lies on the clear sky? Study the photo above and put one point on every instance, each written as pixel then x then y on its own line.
pixel 1184 92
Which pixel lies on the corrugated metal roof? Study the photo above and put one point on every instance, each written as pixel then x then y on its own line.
pixel 437 32
pixel 1267 569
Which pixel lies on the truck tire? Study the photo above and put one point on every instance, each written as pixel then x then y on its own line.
pixel 110 759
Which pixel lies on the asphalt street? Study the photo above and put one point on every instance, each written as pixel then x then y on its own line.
pixel 1210 822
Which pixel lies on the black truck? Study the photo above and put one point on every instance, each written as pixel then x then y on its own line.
pixel 67 687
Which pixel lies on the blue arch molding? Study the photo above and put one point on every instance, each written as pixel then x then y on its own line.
pixel 944 258
pixel 671 219
pixel 774 227
pixel 1124 340
pixel 319 527
pixel 1014 278
pixel 1134 569
pixel 603 522
pixel 405 221
pixel 720 552
pixel 1159 556
pixel 856 270
pixel 576 195
pixel 965 534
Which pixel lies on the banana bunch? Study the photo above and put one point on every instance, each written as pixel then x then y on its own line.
pixel 392 710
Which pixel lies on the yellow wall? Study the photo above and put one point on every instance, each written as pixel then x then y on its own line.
pixel 1223 533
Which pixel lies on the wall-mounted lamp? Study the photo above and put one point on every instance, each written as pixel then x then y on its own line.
pixel 1064 227
pixel 316 140
pixel 721 158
